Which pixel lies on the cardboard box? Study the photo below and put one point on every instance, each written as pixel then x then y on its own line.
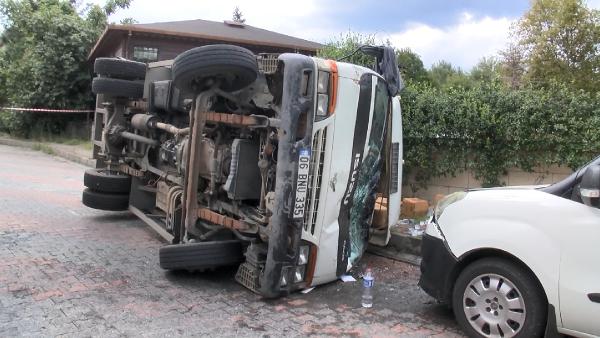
pixel 414 208
pixel 380 214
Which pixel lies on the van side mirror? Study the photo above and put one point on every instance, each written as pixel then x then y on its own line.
pixel 590 187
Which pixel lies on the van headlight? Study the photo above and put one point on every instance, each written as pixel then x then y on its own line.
pixel 446 201
pixel 433 229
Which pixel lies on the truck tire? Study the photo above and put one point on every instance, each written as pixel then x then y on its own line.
pixel 118 87
pixel 105 201
pixel 201 255
pixel 120 68
pixel 234 66
pixel 103 180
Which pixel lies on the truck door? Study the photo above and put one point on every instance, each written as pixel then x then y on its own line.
pixel 387 206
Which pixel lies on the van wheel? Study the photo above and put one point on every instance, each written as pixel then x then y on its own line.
pixel 105 201
pixel 201 255
pixel 118 87
pixel 103 180
pixel 234 67
pixel 120 68
pixel 494 297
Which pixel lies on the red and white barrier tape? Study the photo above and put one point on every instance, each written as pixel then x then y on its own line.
pixel 44 110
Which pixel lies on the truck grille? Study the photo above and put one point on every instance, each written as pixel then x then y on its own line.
pixel 267 62
pixel 314 180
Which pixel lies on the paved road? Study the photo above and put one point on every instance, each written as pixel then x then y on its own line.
pixel 73 271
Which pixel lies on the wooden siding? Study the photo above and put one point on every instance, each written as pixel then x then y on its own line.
pixel 169 47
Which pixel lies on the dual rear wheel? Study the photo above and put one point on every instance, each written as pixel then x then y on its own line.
pixel 106 190
pixel 119 78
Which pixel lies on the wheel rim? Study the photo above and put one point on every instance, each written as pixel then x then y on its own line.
pixel 494 306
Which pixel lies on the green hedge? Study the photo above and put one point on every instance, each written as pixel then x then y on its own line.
pixel 489 128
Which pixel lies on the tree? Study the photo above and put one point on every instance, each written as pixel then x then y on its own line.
pixel 561 41
pixel 411 66
pixel 111 6
pixel 487 70
pixel 443 75
pixel 512 65
pixel 346 47
pixel 128 21
pixel 238 16
pixel 44 56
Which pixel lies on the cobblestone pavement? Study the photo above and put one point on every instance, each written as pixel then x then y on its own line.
pixel 66 270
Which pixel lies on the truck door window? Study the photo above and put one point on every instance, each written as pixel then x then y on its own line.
pixel 370 171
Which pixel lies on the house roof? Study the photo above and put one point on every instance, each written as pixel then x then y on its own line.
pixel 212 30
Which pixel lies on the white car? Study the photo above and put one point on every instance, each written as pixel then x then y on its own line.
pixel 519 261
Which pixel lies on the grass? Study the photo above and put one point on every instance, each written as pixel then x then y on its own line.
pixel 87 145
pixel 43 148
pixel 42 142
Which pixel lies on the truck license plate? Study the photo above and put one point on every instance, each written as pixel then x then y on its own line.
pixel 302 183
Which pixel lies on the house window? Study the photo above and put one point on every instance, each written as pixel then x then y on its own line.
pixel 145 54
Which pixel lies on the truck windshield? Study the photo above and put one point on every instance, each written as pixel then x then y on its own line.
pixel 368 176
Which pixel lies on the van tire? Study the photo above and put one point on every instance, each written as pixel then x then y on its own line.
pixel 103 180
pixel 105 201
pixel 120 68
pixel 525 284
pixel 234 66
pixel 118 87
pixel 201 255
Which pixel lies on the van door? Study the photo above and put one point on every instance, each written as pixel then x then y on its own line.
pixel 580 272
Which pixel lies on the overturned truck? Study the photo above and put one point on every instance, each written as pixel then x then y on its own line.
pixel 285 166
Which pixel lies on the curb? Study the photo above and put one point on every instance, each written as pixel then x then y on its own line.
pixel 401 247
pixel 56 149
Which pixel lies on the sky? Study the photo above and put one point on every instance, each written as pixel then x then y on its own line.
pixel 459 31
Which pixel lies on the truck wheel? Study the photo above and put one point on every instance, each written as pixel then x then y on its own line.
pixel 120 68
pixel 201 255
pixel 494 297
pixel 105 201
pixel 103 180
pixel 234 66
pixel 118 87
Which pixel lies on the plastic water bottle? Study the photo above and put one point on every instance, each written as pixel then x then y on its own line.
pixel 367 296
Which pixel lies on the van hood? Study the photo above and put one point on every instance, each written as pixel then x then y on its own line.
pixel 513 187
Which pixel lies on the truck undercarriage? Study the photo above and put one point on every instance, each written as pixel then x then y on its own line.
pixel 213 150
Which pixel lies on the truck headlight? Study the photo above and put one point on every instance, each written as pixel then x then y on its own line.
pixel 303 253
pixel 327 86
pixel 299 274
pixel 323 82
pixel 322 105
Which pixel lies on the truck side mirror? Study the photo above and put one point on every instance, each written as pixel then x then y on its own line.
pixel 590 186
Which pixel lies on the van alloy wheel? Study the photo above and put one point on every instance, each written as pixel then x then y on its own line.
pixel 494 306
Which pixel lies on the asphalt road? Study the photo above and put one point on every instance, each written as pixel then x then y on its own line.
pixel 67 270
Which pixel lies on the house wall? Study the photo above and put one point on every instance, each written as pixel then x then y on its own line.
pixel 466 180
pixel 169 48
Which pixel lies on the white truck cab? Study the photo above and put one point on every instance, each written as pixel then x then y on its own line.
pixel 273 164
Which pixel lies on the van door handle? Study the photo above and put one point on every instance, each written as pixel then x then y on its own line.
pixel 594 297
